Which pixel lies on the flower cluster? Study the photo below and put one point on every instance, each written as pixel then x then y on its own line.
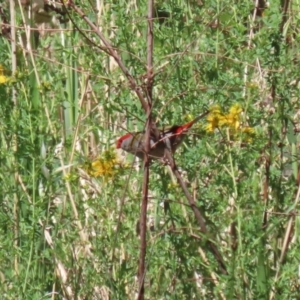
pixel 231 120
pixel 105 165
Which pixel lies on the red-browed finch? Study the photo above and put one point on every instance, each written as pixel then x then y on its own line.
pixel 171 138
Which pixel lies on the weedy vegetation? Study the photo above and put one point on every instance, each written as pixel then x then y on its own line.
pixel 80 220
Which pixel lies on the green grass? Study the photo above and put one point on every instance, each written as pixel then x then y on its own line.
pixel 68 235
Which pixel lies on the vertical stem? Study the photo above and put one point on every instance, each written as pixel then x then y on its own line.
pixel 198 215
pixel 143 217
pixel 251 36
pixel 14 142
pixel 284 6
pixel 150 50
pixel 13 47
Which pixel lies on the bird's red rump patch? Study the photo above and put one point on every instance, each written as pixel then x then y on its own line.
pixel 121 139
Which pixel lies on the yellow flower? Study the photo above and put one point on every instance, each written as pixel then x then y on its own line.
pixel 214 118
pixel 235 109
pixel 213 123
pixel 105 165
pixel 3 79
pixel 232 119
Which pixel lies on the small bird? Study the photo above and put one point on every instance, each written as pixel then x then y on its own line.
pixel 171 138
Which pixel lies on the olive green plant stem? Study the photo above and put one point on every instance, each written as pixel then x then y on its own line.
pixel 37 78
pixel 198 215
pixel 78 119
pixel 218 34
pixel 13 46
pixel 233 205
pixel 234 209
pixel 286 241
pixel 275 94
pixel 14 142
pixel 82 234
pixel 150 52
pixel 214 278
pixel 285 7
pixel 249 44
pixel 65 169
pixel 81 231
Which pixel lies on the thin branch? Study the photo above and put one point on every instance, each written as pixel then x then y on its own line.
pixel 143 217
pixel 113 53
pixel 286 241
pixel 150 51
pixel 285 7
pixel 249 45
pixel 14 139
pixel 198 215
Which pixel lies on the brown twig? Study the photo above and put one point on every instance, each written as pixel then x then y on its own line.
pixel 149 126
pixel 143 215
pixel 111 51
pixel 198 215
